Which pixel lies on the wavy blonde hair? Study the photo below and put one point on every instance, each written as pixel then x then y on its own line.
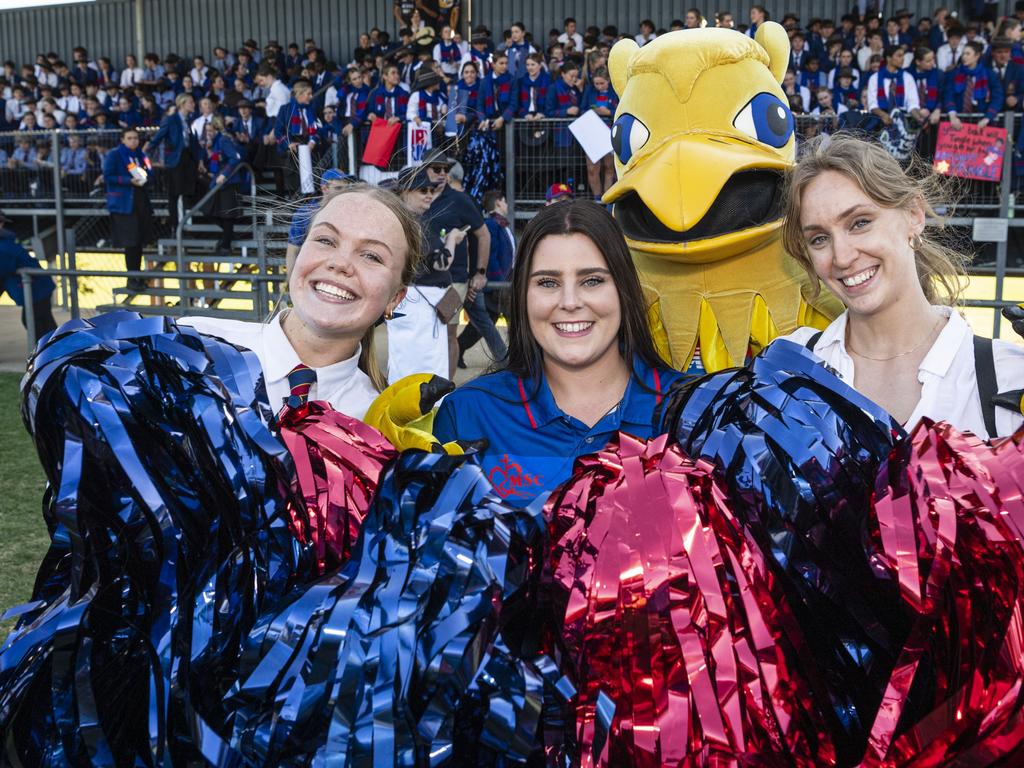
pixel 940 269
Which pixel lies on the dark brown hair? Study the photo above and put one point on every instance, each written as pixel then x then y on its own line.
pixel 593 221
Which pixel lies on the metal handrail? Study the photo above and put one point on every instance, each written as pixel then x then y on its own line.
pixel 191 212
pixel 27 273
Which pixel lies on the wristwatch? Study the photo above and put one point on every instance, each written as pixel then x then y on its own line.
pixel 482 271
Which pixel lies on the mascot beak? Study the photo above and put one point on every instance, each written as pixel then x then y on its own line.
pixel 706 197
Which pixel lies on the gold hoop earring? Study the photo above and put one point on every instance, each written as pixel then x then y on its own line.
pixel 389 314
pixel 916 243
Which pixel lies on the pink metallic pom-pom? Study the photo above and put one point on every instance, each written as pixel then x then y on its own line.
pixel 338 464
pixel 669 617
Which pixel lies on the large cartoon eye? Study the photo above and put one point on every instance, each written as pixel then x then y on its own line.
pixel 766 119
pixel 628 136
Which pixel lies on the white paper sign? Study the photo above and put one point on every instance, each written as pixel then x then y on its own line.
pixel 418 142
pixel 592 134
pixel 306 170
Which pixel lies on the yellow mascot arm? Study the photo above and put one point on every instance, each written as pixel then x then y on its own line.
pixel 403 413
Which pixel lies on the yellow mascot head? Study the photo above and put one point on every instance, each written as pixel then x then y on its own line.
pixel 703 137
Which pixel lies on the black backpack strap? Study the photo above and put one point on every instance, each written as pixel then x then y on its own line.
pixel 813 340
pixel 985 372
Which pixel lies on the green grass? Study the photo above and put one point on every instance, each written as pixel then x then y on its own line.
pixel 23 537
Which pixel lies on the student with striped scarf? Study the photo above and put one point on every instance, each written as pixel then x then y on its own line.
pixel 892 88
pixel 972 87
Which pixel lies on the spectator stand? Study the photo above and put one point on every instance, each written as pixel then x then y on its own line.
pixel 533 157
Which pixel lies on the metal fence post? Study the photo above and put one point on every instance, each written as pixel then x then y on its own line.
pixel 58 202
pixel 351 144
pixel 510 164
pixel 72 264
pixel 1004 213
pixel 28 309
pixel 261 269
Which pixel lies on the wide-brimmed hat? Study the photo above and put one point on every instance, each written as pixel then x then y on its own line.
pixel 425 79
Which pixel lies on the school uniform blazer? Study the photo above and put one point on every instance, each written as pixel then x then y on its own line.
pixel 222 158
pixel 171 133
pixel 118 179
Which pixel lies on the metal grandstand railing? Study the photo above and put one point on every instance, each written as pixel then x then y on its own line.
pixel 534 154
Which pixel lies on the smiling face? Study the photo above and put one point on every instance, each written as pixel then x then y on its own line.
pixel 571 303
pixel 349 270
pixel 858 249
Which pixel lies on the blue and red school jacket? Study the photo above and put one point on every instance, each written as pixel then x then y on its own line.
pixel 497 96
pixel 848 97
pixel 593 98
pixel 882 81
pixel 561 97
pixel 482 61
pixel 929 86
pixel 813 80
pixel 377 102
pixel 221 157
pixel 469 95
pixel 295 122
pixel 988 91
pixel 358 98
pixel 533 94
pixel 429 105
pixel 449 53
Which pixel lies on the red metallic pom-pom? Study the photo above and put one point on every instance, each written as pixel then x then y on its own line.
pixel 675 645
pixel 950 522
pixel 338 464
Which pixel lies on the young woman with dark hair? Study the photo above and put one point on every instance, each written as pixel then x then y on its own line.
pixel 581 363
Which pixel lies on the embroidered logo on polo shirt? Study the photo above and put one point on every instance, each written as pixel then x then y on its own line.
pixel 508 479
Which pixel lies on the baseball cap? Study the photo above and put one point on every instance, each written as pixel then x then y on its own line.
pixel 334 174
pixel 558 189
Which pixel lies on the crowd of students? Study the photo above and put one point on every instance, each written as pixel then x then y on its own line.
pixel 274 98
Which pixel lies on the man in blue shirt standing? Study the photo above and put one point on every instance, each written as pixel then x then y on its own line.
pixel 12 258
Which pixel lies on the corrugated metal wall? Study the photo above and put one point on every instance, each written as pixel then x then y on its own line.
pixel 542 15
pixel 101 26
pixel 191 26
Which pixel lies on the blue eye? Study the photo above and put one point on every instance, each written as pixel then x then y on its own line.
pixel 628 136
pixel 766 119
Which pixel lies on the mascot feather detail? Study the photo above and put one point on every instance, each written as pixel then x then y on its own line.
pixel 702 140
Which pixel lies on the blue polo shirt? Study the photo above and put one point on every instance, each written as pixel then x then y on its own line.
pixel 532 443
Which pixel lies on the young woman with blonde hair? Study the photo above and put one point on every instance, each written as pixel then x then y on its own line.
pixel 362 249
pixel 861 225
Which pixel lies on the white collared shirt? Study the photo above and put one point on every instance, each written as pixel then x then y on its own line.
pixel 949 385
pixel 277 96
pixel 347 388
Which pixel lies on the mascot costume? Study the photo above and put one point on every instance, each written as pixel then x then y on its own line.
pixel 702 141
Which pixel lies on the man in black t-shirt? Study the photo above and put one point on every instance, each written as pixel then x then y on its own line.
pixel 402 11
pixel 454 209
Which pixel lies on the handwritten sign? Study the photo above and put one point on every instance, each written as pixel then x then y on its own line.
pixel 970 152
pixel 418 142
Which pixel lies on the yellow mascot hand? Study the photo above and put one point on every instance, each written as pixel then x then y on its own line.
pixel 403 413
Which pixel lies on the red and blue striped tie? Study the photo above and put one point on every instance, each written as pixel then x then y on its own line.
pixel 300 379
